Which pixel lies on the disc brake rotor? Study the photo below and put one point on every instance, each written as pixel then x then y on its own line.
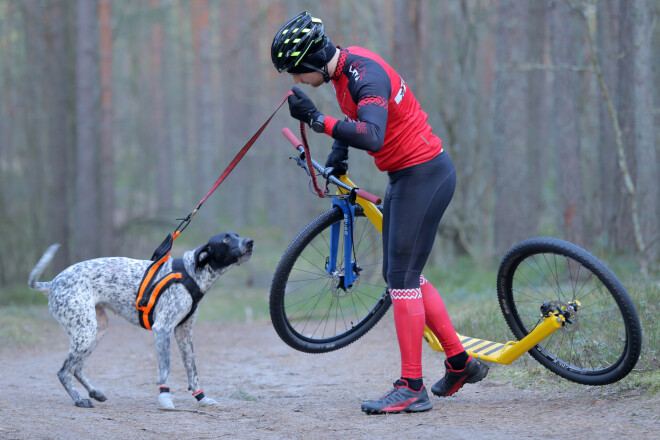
pixel 569 310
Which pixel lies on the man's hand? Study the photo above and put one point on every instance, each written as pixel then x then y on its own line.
pixel 301 107
pixel 338 159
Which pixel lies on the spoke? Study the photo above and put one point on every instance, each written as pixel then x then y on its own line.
pixel 599 341
pixel 315 306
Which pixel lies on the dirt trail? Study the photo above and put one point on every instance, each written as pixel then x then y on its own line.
pixel 268 390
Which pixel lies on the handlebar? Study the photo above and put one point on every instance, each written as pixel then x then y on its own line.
pixel 327 172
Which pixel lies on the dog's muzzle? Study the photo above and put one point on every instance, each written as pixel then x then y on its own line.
pixel 246 247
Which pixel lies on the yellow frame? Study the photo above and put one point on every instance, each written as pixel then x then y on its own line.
pixel 478 348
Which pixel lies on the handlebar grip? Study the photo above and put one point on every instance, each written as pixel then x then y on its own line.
pixel 291 137
pixel 368 196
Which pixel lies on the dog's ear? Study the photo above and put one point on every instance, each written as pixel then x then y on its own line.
pixel 202 256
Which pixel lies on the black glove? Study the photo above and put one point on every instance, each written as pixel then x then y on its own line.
pixel 301 107
pixel 337 159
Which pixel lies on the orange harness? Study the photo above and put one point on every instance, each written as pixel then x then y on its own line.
pixel 150 290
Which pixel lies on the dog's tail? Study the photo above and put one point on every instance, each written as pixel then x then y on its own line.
pixel 39 269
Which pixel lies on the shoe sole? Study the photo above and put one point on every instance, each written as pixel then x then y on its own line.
pixel 423 408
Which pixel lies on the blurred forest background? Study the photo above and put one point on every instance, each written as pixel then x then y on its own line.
pixel 117 116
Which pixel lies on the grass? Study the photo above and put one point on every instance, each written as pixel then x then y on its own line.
pixel 24 326
pixel 475 312
pixel 468 291
pixel 20 295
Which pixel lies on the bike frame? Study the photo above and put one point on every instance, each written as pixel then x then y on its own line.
pixel 479 348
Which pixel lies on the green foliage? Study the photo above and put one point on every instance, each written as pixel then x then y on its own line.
pixel 471 299
pixel 468 290
pixel 243 395
pixel 234 304
pixel 646 296
pixel 24 326
pixel 20 295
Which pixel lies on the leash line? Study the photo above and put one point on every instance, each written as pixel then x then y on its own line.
pixel 162 251
pixel 308 159
pixel 186 220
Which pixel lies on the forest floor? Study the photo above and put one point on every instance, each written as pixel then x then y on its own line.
pixel 267 390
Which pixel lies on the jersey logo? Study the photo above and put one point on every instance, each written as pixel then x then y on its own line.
pixel 372 100
pixel 357 70
pixel 402 92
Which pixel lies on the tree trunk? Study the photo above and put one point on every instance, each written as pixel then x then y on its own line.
pixel 645 81
pixel 87 140
pixel 565 31
pixel 159 130
pixel 510 164
pixel 610 193
pixel 539 149
pixel 207 159
pixel 61 131
pixel 406 57
pixel 107 166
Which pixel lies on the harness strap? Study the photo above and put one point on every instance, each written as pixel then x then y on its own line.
pixel 191 286
pixel 150 291
pixel 146 299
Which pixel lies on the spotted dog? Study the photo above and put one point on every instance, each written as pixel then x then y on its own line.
pixel 79 296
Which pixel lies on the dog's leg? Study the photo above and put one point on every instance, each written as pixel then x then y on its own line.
pixel 101 328
pixel 183 334
pixel 82 331
pixel 163 337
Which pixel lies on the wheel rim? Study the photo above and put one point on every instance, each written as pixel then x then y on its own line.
pixel 316 308
pixel 597 340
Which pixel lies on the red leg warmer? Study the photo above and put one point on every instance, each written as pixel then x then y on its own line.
pixel 409 321
pixel 437 319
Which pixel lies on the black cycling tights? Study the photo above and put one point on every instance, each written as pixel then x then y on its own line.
pixel 415 201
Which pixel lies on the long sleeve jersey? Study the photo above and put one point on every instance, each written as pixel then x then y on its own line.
pixel 382 115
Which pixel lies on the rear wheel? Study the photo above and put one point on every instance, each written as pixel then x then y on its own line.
pixel 602 342
pixel 310 309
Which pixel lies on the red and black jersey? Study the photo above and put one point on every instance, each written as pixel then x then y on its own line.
pixel 382 114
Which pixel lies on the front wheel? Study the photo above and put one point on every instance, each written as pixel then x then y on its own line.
pixel 601 341
pixel 310 308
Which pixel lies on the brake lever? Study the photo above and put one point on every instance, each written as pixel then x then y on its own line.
pixel 300 161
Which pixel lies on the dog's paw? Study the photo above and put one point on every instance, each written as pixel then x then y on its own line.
pixel 207 401
pixel 165 401
pixel 84 403
pixel 96 394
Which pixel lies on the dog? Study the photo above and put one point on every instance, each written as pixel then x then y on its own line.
pixel 79 296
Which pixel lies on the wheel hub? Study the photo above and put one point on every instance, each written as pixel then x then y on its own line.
pixel 567 310
pixel 337 287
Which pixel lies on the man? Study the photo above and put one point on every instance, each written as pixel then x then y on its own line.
pixel 384 118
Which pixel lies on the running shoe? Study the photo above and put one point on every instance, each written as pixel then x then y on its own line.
pixel 399 399
pixel 473 372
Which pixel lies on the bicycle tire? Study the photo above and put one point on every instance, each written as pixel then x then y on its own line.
pixel 309 312
pixel 602 343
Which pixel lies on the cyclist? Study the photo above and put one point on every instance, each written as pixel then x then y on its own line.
pixel 383 117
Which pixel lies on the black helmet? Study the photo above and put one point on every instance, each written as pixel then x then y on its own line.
pixel 301 38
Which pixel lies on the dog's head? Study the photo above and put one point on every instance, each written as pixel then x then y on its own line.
pixel 224 250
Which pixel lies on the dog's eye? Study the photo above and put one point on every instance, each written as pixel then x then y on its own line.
pixel 226 240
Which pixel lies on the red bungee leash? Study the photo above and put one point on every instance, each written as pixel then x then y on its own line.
pixel 308 159
pixel 186 221
pixel 166 246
